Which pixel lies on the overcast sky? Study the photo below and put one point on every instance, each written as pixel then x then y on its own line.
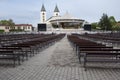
pixel 28 11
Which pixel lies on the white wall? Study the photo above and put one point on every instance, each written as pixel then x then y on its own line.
pixel 43 17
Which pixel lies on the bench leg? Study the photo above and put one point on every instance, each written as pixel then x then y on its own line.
pixel 14 62
pixel 85 61
pixel 79 57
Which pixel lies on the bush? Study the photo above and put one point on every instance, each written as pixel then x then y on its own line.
pixel 16 30
pixel 1 31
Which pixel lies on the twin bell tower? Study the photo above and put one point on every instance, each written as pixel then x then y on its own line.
pixel 42 26
pixel 43 13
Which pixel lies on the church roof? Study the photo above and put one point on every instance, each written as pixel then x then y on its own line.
pixel 56 9
pixel 65 18
pixel 68 16
pixel 43 8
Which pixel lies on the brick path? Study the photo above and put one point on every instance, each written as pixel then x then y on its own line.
pixel 59 62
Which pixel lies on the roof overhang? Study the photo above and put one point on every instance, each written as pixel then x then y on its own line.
pixel 67 20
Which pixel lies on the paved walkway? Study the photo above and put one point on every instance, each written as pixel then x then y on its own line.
pixel 59 62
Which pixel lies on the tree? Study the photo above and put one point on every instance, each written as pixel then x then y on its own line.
pixel 116 27
pixel 104 23
pixel 113 23
pixel 112 20
pixel 11 23
pixel 4 22
pixel 8 23
pixel 94 25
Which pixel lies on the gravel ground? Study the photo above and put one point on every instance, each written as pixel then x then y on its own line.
pixel 64 55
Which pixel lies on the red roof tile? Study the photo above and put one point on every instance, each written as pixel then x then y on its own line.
pixel 23 24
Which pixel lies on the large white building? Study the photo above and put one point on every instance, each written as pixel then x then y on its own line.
pixel 58 21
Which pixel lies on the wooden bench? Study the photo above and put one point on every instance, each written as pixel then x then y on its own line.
pixel 94 52
pixel 100 57
pixel 84 49
pixel 17 50
pixel 10 55
pixel 78 47
pixel 17 47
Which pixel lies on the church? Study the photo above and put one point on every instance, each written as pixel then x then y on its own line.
pixel 56 21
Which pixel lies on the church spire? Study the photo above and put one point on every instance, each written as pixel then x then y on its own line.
pixel 43 8
pixel 56 11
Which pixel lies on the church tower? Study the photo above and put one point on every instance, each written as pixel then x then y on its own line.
pixel 43 14
pixel 56 11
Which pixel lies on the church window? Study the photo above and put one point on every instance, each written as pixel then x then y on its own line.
pixel 43 20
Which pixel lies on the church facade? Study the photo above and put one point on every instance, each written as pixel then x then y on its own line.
pixel 59 22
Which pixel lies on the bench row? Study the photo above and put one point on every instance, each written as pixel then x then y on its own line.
pixel 22 51
pixel 92 51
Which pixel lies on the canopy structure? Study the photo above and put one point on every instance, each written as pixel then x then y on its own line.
pixel 65 21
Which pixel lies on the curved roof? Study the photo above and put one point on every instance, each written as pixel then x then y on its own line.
pixel 53 18
pixel 68 16
pixel 65 18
